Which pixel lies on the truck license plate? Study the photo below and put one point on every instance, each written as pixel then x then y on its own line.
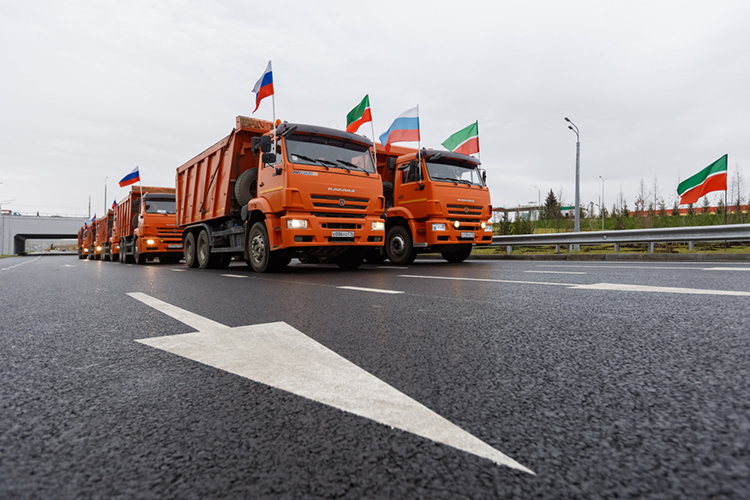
pixel 467 235
pixel 342 234
pixel 174 246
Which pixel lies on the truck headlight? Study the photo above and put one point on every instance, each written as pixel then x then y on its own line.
pixel 456 224
pixel 483 225
pixel 378 225
pixel 296 224
pixel 438 226
pixel 98 249
pixel 487 227
pixel 150 242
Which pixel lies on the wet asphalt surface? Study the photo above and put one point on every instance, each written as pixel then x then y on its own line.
pixel 602 393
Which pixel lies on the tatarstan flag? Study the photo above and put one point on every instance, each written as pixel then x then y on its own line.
pixel 359 115
pixel 465 141
pixel 711 178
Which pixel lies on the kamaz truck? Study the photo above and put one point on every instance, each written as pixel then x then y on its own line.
pixel 267 194
pixel 437 202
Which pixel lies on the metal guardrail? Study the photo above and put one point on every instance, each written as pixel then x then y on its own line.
pixel 732 232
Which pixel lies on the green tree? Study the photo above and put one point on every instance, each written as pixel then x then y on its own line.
pixel 706 205
pixel 551 209
pixel 505 224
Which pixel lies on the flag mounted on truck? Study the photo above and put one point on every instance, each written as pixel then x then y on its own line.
pixel 359 115
pixel 711 178
pixel 404 128
pixel 131 178
pixel 465 141
pixel 264 86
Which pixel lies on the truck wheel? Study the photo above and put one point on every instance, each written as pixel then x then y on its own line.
pixel 191 259
pixel 399 246
pixel 203 250
pixel 352 258
pixel 246 187
pixel 459 255
pixel 105 254
pixel 259 248
pixel 374 256
pixel 138 257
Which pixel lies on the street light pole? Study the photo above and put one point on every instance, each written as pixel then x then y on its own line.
pixel 2 229
pixel 539 203
pixel 602 200
pixel 573 127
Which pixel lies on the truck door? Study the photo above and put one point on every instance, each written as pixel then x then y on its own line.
pixel 410 193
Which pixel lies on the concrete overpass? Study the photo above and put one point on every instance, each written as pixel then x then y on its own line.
pixel 16 229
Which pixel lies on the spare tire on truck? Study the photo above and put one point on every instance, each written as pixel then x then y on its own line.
pixel 246 186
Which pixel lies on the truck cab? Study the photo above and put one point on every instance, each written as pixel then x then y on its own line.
pixel 437 202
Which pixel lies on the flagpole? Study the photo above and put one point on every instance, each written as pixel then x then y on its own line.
pixel 726 208
pixel 479 153
pixel 374 147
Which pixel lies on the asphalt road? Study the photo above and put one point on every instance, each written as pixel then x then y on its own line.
pixel 607 380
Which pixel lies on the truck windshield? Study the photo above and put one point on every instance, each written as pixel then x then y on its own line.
pixel 455 171
pixel 329 152
pixel 160 204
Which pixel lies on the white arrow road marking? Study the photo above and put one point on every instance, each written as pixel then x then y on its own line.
pixel 597 286
pixel 376 290
pixel 278 355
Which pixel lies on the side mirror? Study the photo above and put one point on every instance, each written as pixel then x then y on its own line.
pixel 265 145
pixel 414 170
pixel 254 144
pixel 390 164
pixel 484 177
pixel 267 158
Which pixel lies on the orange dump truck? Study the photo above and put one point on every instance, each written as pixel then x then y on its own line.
pixel 317 197
pixel 83 249
pixel 437 202
pixel 145 227
pixel 90 241
pixel 104 227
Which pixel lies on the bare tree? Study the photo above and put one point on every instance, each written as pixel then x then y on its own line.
pixel 641 198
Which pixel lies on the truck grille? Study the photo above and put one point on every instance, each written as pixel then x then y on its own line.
pixel 464 210
pixel 168 231
pixel 335 202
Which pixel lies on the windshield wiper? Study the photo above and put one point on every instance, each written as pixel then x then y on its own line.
pixel 444 179
pixel 313 160
pixel 355 167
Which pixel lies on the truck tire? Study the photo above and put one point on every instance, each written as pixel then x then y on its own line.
pixel 259 249
pixel 399 246
pixel 246 187
pixel 459 255
pixel 374 256
pixel 191 259
pixel 203 250
pixel 352 258
pixel 134 222
pixel 138 257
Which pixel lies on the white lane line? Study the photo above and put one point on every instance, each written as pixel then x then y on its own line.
pixel 659 289
pixel 198 322
pixel 727 269
pixel 361 289
pixel 392 267
pixel 68 265
pixel 280 356
pixel 179 270
pixel 234 276
pixel 597 286
pixel 482 279
pixel 686 267
pixel 20 264
pixel 557 272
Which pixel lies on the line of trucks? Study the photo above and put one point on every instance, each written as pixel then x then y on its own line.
pixel 268 194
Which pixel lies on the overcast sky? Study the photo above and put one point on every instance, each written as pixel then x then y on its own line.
pixel 89 90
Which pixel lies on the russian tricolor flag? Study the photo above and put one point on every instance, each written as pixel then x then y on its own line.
pixel 263 87
pixel 114 205
pixel 404 128
pixel 131 178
